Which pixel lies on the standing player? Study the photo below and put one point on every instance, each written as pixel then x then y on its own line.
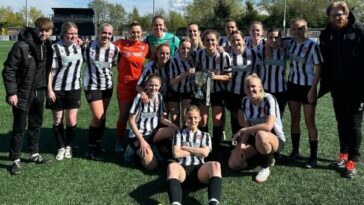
pixel 273 67
pixel 159 36
pixel 230 27
pixel 243 64
pixel 130 67
pixel 194 33
pixel 190 147
pixel 255 40
pixel 180 71
pixel 218 64
pixel 262 133
pixel 145 121
pixel 25 81
pixel 100 56
pixel 342 47
pixel 64 87
pixel 304 76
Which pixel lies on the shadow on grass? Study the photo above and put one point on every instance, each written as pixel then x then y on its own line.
pixel 301 161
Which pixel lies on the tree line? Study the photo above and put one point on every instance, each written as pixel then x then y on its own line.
pixel 206 13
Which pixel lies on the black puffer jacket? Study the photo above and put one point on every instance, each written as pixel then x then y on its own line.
pixel 20 68
pixel 343 54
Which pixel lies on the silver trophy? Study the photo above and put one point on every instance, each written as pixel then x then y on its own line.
pixel 202 86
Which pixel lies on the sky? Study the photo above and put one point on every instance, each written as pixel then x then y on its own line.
pixel 144 6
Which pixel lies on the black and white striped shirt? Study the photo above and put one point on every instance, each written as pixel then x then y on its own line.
pixel 147 114
pixel 99 61
pixel 249 43
pixel 273 71
pixel 220 63
pixel 198 139
pixel 257 114
pixel 224 41
pixel 150 69
pixel 303 57
pixel 66 67
pixel 176 68
pixel 243 65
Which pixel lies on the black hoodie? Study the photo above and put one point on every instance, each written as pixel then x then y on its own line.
pixel 27 66
pixel 343 54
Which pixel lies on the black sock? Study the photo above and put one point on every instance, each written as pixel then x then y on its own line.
pixel 58 131
pixel 313 149
pixel 234 125
pixel 266 160
pixel 70 134
pixel 204 129
pixel 92 136
pixel 216 139
pixel 214 190
pixel 174 191
pixel 295 142
pixel 100 132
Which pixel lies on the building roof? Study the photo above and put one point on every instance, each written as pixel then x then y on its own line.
pixel 88 11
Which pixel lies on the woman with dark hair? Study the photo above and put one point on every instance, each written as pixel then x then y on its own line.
pixel 130 67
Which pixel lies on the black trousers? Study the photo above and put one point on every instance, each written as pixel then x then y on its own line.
pixel 349 117
pixel 33 117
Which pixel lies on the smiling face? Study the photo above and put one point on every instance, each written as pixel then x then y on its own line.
pixel 193 32
pixel 158 27
pixel 163 55
pixel 230 27
pixel 192 119
pixel 274 39
pixel 253 88
pixel 338 18
pixel 185 49
pixel 105 35
pixel 256 31
pixel 154 84
pixel 298 30
pixel 70 36
pixel 135 33
pixel 210 42
pixel 44 34
pixel 237 41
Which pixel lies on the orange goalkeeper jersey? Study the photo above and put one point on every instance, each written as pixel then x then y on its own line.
pixel 131 62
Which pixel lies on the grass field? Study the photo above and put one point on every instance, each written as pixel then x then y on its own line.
pixel 112 181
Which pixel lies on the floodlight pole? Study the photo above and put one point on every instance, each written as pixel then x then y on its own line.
pixel 26 13
pixel 153 8
pixel 284 18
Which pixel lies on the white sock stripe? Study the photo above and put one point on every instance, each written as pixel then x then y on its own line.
pixel 214 200
pixel 176 203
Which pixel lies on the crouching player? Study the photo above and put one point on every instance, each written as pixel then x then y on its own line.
pixel 190 147
pixel 145 121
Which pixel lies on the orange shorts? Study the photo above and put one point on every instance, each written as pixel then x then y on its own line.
pixel 126 94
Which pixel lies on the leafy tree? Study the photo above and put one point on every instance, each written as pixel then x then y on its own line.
pixel 33 14
pixel 176 20
pixel 10 18
pixel 134 15
pixel 117 15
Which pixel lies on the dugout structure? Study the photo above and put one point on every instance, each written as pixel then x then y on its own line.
pixel 83 17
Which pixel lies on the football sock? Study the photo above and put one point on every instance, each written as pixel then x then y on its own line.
pixel 295 142
pixel 174 191
pixel 70 134
pixel 214 190
pixel 58 131
pixel 313 149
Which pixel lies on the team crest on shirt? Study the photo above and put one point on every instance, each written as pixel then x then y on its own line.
pixel 111 55
pixel 199 136
pixel 352 36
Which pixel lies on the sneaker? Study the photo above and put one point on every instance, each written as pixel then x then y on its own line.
pixel 68 152
pixel 350 169
pixel 118 148
pixel 128 154
pixel 262 175
pixel 294 156
pixel 15 168
pixel 60 154
pixel 341 161
pixel 38 159
pixel 311 163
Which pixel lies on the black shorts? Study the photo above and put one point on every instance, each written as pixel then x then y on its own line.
pixel 216 99
pixel 233 101
pixel 192 176
pixel 281 99
pixel 256 159
pixel 299 93
pixel 174 96
pixel 94 95
pixel 65 100
pixel 134 143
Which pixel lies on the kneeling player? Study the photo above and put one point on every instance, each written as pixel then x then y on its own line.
pixel 190 147
pixel 145 119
